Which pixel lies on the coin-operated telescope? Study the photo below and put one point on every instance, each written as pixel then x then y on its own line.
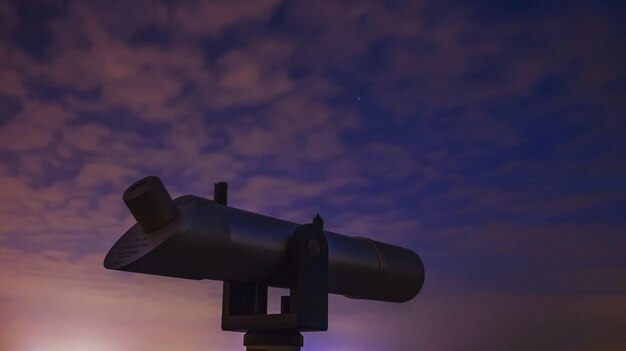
pixel 196 238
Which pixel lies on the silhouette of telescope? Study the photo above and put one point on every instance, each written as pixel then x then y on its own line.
pixel 197 238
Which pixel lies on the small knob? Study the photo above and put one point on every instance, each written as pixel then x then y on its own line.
pixel 220 193
pixel 150 203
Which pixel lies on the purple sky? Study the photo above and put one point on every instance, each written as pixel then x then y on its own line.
pixel 488 136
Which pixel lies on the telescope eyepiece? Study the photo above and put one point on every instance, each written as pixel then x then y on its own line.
pixel 150 203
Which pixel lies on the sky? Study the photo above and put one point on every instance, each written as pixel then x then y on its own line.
pixel 487 136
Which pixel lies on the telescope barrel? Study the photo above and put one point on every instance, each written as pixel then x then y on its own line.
pixel 196 238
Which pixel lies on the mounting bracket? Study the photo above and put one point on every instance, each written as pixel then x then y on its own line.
pixel 244 305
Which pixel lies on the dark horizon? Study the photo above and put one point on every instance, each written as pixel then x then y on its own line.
pixel 487 136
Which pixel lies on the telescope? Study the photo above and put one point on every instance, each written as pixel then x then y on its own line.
pixel 196 238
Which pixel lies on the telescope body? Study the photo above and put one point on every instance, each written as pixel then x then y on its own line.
pixel 196 238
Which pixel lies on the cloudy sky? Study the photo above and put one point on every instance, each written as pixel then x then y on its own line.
pixel 488 136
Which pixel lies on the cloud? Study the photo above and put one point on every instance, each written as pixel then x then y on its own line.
pixel 196 16
pixel 33 127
